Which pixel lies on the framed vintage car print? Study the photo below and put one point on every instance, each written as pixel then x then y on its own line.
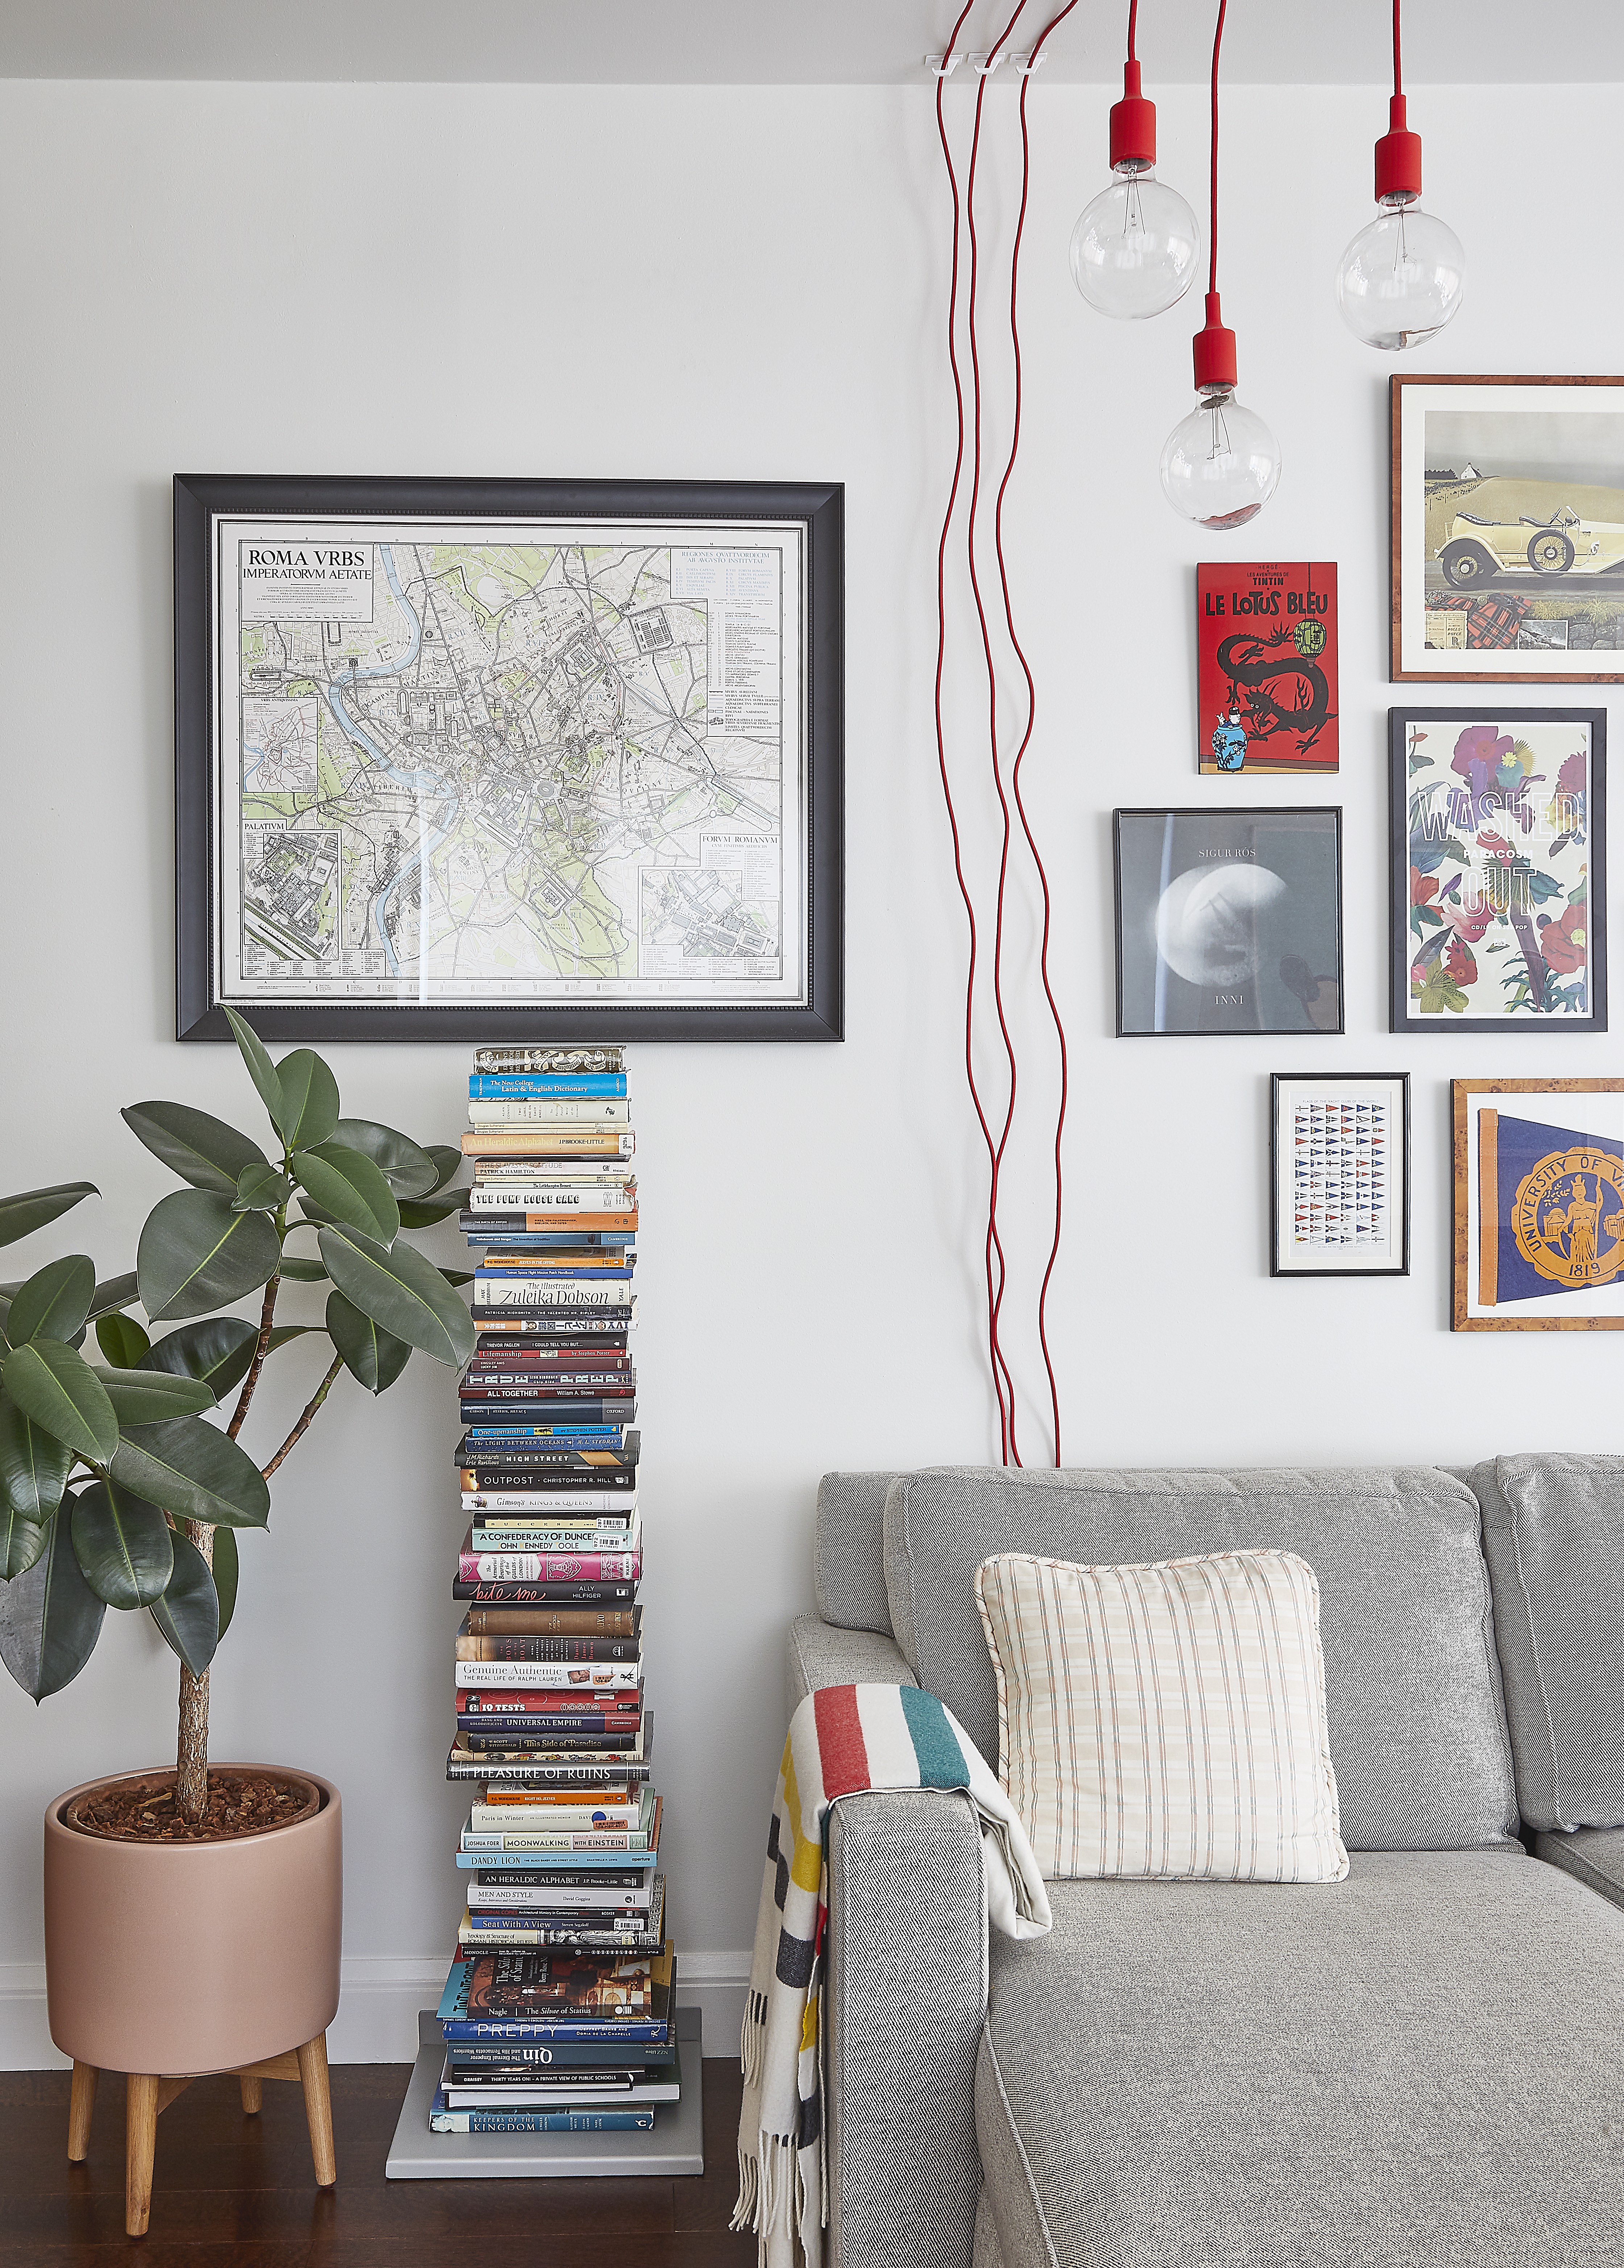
pixel 1508 530
pixel 508 759
pixel 1228 921
pixel 1340 1173
pixel 1538 1209
pixel 1497 873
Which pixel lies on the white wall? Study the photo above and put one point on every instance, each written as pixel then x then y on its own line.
pixel 745 284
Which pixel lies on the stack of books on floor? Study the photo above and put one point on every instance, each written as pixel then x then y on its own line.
pixel 560 2010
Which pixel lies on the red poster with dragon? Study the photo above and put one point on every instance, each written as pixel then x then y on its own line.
pixel 1266 635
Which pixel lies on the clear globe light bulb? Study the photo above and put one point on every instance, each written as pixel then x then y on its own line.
pixel 1221 464
pixel 1402 277
pixel 1132 251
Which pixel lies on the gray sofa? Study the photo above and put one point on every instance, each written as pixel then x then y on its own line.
pixel 1418 2065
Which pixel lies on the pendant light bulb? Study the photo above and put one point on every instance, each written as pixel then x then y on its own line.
pixel 1221 464
pixel 1134 250
pixel 1404 276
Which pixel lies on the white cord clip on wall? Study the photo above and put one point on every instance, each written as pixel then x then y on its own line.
pixel 945 66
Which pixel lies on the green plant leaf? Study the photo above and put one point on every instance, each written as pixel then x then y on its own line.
pixel 118 1291
pixel 60 1391
pixel 218 1350
pixel 122 1340
pixel 21 1215
pixel 309 1112
pixel 458 1276
pixel 53 1303
pixel 123 1545
pixel 204 1151
pixel 261 1070
pixel 410 1171
pixel 33 1467
pixel 188 1613
pixel 304 1271
pixel 193 1469
pixel 373 1355
pixel 225 1575
pixel 261 1189
pixel 21 1542
pixel 49 1617
pixel 422 1212
pixel 397 1287
pixel 349 1189
pixel 196 1254
pixel 146 1397
pixel 448 1163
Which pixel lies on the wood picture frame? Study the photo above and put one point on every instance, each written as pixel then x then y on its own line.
pixel 492 793
pixel 1199 955
pixel 1340 1173
pixel 1537 529
pixel 1554 1211
pixel 1497 870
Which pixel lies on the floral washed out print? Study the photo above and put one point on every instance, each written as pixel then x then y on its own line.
pixel 1499 870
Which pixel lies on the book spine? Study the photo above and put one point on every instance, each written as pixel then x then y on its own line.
pixel 548 1110
pixel 608 1537
pixel 574 1593
pixel 555 1173
pixel 537 1085
pixel 493 1295
pixel 550 1676
pixel 618 1704
pixel 634 1842
pixel 496 1769
pixel 555 1061
pixel 562 1646
pixel 540 1219
pixel 560 1827
pixel 550 1408
pixel 554 1502
pixel 551 1142
pixel 539 2122
pixel 545 1380
pixel 538 2031
pixel 504 1324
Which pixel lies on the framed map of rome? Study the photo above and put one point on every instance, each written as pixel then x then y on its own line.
pixel 509 759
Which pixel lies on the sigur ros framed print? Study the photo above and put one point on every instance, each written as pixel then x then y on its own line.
pixel 509 759
pixel 1497 870
pixel 1340 1173
pixel 1508 530
pixel 1539 1212
pixel 1228 921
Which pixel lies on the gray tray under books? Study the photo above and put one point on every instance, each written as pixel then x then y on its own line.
pixel 672 2145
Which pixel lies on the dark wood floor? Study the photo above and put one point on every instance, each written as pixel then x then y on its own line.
pixel 228 2188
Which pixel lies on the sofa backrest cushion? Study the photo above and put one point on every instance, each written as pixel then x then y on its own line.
pixel 848 1555
pixel 1554 1535
pixel 1418 1735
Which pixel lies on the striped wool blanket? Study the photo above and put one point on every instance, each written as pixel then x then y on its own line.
pixel 842 1740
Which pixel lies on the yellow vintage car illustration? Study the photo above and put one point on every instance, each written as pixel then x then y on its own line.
pixel 1565 544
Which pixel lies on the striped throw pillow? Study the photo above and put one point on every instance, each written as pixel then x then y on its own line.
pixel 1165 1721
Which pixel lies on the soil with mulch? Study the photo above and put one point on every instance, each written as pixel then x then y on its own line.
pixel 240 1803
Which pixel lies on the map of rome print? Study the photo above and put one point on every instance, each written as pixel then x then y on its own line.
pixel 537 770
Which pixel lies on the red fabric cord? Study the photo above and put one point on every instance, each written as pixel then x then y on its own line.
pixel 1397 50
pixel 941 740
pixel 994 1265
pixel 1133 27
pixel 1217 43
pixel 994 1244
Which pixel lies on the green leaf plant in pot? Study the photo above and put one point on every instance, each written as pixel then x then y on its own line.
pixel 192 1920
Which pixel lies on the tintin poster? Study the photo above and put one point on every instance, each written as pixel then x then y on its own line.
pixel 1266 639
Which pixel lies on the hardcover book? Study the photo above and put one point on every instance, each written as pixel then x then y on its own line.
pixel 1266 675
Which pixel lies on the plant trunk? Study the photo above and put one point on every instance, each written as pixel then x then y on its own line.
pixel 192 1748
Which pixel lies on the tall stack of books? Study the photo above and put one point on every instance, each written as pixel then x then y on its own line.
pixel 560 2011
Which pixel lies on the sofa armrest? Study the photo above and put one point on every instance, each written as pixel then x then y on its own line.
pixel 821 1656
pixel 905 1995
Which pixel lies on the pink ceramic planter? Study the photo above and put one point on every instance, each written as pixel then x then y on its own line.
pixel 184 1958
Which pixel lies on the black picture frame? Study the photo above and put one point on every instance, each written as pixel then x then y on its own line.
pixel 1321 1015
pixel 819 507
pixel 1281 1086
pixel 1403 1016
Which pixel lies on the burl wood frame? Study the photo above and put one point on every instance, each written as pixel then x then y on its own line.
pixel 1461 1121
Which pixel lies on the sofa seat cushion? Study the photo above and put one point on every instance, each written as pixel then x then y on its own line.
pixel 1593 1855
pixel 1413 2066
pixel 1417 1727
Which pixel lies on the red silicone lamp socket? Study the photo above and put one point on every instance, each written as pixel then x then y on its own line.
pixel 1132 127
pixel 1214 350
pixel 1398 159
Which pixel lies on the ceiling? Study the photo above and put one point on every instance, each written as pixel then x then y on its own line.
pixel 788 42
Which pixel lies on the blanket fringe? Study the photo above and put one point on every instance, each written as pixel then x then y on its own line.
pixel 753 2039
pixel 772 2192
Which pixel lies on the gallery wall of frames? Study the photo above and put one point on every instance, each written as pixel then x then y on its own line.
pixel 1507 569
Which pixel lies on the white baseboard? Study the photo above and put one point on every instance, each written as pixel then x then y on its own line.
pixel 378 2005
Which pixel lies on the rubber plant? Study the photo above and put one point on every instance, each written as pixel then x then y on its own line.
pixel 115 1491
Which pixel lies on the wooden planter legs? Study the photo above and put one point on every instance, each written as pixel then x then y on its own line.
pixel 147 2093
